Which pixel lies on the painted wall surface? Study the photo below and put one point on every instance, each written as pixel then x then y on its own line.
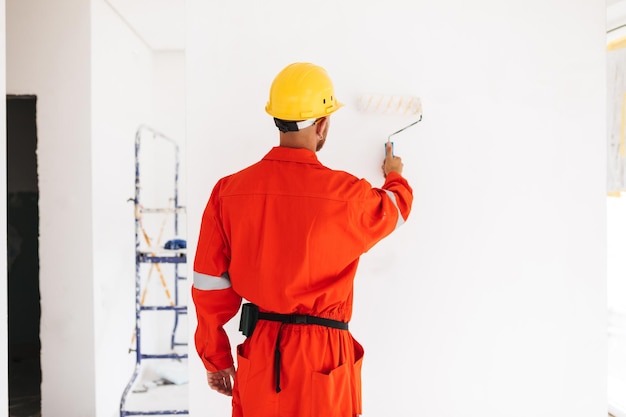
pixel 121 101
pixel 4 389
pixel 168 104
pixel 49 55
pixel 616 220
pixel 168 109
pixel 491 299
pixel 93 94
pixel 616 286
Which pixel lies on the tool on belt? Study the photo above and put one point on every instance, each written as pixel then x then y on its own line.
pixel 250 315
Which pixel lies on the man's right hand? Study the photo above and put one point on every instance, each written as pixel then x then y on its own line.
pixel 222 381
pixel 391 163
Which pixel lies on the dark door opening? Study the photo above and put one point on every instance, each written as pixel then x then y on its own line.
pixel 24 309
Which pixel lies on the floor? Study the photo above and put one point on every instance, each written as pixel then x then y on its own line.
pixel 161 385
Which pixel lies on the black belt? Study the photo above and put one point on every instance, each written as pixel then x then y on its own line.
pixel 302 319
pixel 250 314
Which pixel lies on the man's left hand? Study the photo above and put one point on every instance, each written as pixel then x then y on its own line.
pixel 222 381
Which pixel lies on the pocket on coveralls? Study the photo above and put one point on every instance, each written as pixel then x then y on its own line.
pixel 338 393
pixel 241 377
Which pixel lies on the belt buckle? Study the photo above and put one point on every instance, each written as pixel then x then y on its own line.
pixel 299 319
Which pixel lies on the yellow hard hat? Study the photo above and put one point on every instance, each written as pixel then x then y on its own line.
pixel 302 91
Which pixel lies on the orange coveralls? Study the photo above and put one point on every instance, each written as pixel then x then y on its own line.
pixel 286 234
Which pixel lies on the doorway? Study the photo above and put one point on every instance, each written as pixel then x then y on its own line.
pixel 24 309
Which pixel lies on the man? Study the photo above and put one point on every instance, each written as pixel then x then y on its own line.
pixel 286 234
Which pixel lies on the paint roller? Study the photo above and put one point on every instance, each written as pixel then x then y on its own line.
pixel 409 106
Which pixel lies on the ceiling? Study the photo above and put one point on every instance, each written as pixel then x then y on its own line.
pixel 159 23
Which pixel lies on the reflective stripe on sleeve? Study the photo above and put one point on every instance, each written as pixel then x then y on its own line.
pixel 392 196
pixel 210 282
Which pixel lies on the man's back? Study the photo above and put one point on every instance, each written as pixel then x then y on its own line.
pixel 295 230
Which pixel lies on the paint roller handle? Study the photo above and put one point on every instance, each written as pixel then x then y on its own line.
pixel 391 163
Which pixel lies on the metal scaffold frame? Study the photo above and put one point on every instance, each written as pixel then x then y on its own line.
pixel 175 255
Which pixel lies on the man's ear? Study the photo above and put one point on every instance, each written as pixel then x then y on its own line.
pixel 320 125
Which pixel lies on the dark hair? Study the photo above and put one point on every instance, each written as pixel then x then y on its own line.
pixel 286 125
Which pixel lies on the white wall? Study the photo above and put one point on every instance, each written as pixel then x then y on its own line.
pixel 168 104
pixel 4 389
pixel 168 86
pixel 491 299
pixel 616 209
pixel 616 286
pixel 96 83
pixel 121 85
pixel 49 55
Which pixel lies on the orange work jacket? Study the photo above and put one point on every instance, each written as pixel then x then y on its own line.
pixel 286 234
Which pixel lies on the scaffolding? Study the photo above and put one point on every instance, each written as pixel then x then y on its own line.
pixel 158 390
